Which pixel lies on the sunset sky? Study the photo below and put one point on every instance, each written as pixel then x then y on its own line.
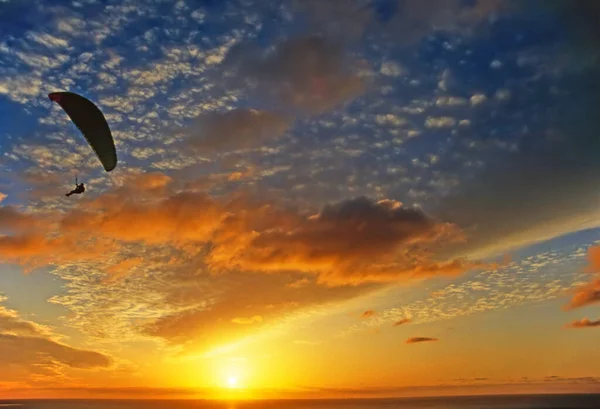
pixel 314 198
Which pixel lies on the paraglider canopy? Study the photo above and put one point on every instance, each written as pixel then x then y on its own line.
pixel 91 122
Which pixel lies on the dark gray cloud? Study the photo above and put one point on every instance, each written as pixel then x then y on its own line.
pixel 235 129
pixel 307 75
pixel 354 242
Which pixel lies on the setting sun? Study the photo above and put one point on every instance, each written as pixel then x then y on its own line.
pixel 232 382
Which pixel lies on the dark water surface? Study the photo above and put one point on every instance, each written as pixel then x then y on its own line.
pixel 473 402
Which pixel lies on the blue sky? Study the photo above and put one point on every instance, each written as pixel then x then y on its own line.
pixel 247 133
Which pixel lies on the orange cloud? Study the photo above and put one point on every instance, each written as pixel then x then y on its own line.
pixel 225 317
pixel 123 268
pixel 584 323
pixel 416 340
pixel 351 242
pixel 594 259
pixel 27 347
pixel 304 260
pixel 589 293
pixel 402 322
pixel 585 295
pixel 368 314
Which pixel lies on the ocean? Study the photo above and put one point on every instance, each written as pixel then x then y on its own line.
pixel 473 402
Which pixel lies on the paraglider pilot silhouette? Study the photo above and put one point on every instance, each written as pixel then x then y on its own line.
pixel 79 189
pixel 91 122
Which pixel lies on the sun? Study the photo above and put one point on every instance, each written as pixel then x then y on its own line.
pixel 232 382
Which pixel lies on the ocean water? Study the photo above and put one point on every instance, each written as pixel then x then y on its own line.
pixel 473 402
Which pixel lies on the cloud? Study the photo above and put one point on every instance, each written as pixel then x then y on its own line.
pixel 440 122
pixel 149 225
pixel 236 129
pixel 588 293
pixel 584 323
pixel 219 307
pixel 248 321
pixel 27 346
pixel 307 74
pixel 585 295
pixel 416 340
pixel 392 69
pixel 351 242
pixel 368 314
pixel 412 21
pixel 594 259
pixel 406 21
pixel 478 99
pixel 336 18
pixel 115 392
pixel 123 268
pixel 402 322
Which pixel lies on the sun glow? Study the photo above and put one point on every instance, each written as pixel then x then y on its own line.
pixel 232 382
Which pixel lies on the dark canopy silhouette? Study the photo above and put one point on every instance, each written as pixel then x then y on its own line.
pixel 91 122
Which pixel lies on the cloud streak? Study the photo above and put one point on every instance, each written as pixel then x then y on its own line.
pixel 402 322
pixel 584 323
pixel 418 340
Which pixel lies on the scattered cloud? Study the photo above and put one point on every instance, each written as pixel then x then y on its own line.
pixel 440 122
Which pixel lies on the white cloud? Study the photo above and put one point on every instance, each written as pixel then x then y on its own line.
pixel 21 89
pixel 38 61
pixel 478 99
pixel 390 119
pixel 445 80
pixel 450 101
pixel 496 64
pixel 392 69
pixel 48 40
pixel 503 94
pixel 440 122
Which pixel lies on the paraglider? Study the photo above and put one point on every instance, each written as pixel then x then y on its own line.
pixel 79 189
pixel 90 121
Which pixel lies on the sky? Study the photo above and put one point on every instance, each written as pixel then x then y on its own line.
pixel 313 199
